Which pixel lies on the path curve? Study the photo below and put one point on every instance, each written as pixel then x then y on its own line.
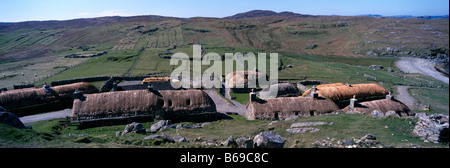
pixel 46 116
pixel 421 66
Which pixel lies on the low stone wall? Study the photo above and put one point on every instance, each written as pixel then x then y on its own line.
pixel 432 128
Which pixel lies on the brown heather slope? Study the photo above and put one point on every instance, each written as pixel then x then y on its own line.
pixel 272 32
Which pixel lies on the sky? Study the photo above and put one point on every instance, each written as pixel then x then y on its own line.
pixel 39 10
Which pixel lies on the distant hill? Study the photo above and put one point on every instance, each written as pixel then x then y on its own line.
pixel 408 16
pixel 262 13
pixel 271 31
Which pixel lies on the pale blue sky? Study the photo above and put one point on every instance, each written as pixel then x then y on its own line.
pixel 25 10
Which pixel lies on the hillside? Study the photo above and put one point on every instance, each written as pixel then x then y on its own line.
pixel 267 30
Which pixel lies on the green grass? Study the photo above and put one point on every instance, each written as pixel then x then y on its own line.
pixel 113 63
pixel 242 98
pixel 345 127
pixel 437 99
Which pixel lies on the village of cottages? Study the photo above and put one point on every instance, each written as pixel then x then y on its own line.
pixel 122 100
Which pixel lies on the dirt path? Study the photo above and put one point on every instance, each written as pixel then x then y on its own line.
pixel 404 96
pixel 422 66
pixel 46 116
pixel 223 105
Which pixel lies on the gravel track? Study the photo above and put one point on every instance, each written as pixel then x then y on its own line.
pixel 421 66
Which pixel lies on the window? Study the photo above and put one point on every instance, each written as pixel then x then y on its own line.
pixel 169 103
pixel 188 102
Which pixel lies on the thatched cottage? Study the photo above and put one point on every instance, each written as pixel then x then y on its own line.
pixel 239 81
pixel 26 101
pixel 285 107
pixel 340 92
pixel 177 105
pixel 382 105
pixel 282 90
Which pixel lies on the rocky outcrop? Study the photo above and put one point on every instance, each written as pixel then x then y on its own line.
pixel 303 127
pixel 11 119
pixel 160 125
pixel 133 127
pixel 162 137
pixel 268 139
pixel 432 128
pixel 230 142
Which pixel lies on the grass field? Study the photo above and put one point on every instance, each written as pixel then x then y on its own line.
pixel 436 99
pixel 394 132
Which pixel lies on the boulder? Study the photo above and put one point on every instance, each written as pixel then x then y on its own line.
pixel 245 142
pixel 230 142
pixel 179 139
pixel 133 127
pixel 376 114
pixel 307 124
pixel 390 114
pixel 369 137
pixel 159 125
pixel 268 139
pixel 302 130
pixel 376 67
pixel 11 119
pixel 163 137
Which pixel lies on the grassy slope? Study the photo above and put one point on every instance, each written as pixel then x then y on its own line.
pixel 345 127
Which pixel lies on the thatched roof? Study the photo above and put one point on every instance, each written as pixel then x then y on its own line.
pixel 341 92
pixel 31 96
pixel 284 107
pixel 164 103
pixel 382 105
pixel 155 79
pixel 284 90
pixel 240 79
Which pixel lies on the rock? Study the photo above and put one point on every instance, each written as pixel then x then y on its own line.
pixel 163 137
pixel 376 114
pixel 205 124
pixel 182 126
pixel 306 124
pixel 11 119
pixel 245 142
pixel 271 123
pixel 83 140
pixel 133 127
pixel 369 137
pixel 390 114
pixel 166 137
pixel 432 128
pixel 268 139
pixel 118 133
pixel 302 130
pixel 376 67
pixel 159 125
pixel 179 139
pixel 291 118
pixel 230 142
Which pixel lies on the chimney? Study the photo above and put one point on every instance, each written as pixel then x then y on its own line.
pixel 115 86
pixel 252 96
pixel 150 87
pixel 78 95
pixel 389 96
pixel 314 94
pixel 353 102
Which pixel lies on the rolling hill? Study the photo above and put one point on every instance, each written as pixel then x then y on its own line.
pixel 266 30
